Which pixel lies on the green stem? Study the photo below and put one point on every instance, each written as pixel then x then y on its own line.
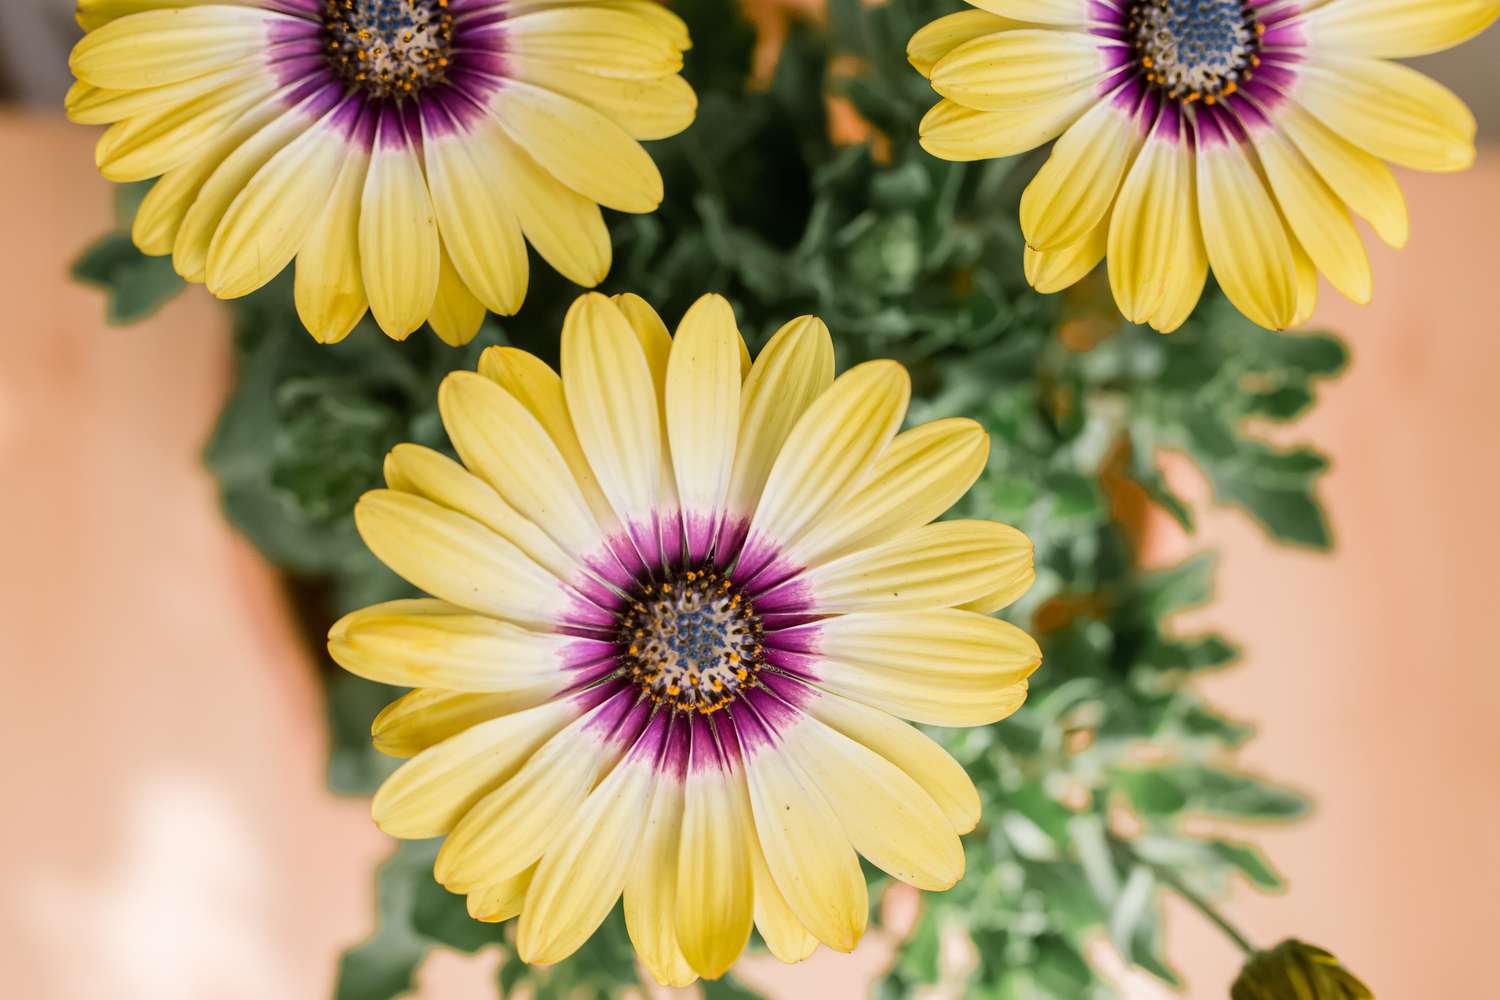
pixel 1204 907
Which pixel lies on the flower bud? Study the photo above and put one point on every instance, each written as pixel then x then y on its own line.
pixel 1294 969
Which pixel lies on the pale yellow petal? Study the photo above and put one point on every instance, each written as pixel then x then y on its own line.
pixel 537 387
pixel 937 38
pixel 567 229
pixel 508 830
pixel 939 565
pixel 953 132
pixel 1396 29
pixel 426 717
pixel 885 813
pixel 1246 241
pixel 330 285
pixel 414 469
pixel 613 401
pixel 1054 12
pixel 459 652
pixel 923 473
pixel 154 142
pixel 658 18
pixel 1153 219
pixel 703 415
pixel 779 927
pixel 160 216
pixel 430 793
pixel 831 449
pixel 498 438
pixel 1389 110
pixel 645 109
pixel 457 559
pixel 156 47
pixel 1011 585
pixel 1307 284
pixel 714 903
pixel 93 14
pixel 1053 270
pixel 915 753
pixel 457 314
pixel 1074 189
pixel 1014 69
pixel 616 42
pixel 580 147
pixel 942 667
pixel 90 105
pixel 399 250
pixel 1364 183
pixel 583 872
pixel 1315 215
pixel 476 212
pixel 651 888
pixel 1191 274
pixel 502 900
pixel 806 849
pixel 270 220
pixel 794 368
pixel 223 186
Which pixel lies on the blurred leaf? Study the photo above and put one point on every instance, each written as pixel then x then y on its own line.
pixel 1209 789
pixel 1250 862
pixel 384 965
pixel 138 285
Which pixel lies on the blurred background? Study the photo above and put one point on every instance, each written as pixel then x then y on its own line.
pixel 164 801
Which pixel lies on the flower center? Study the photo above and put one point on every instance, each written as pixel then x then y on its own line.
pixel 692 641
pixel 1195 49
pixel 388 48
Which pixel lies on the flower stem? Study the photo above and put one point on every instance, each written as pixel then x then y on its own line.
pixel 1204 907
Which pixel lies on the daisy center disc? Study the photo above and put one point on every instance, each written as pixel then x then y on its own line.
pixel 388 48
pixel 1195 49
pixel 692 641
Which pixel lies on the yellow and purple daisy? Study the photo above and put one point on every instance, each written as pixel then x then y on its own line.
pixel 1237 135
pixel 402 151
pixel 680 605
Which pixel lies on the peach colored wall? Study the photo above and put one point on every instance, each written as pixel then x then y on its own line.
pixel 162 803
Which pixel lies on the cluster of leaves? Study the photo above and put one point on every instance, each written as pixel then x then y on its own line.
pixel 1086 789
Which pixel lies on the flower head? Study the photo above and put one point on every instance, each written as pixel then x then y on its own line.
pixel 1237 135
pixel 402 151
pixel 679 600
pixel 1295 969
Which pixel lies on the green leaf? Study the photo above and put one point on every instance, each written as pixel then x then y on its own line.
pixel 1227 793
pixel 922 952
pixel 1204 653
pixel 137 285
pixel 1154 793
pixel 1132 907
pixel 1186 585
pixel 384 965
pixel 1250 862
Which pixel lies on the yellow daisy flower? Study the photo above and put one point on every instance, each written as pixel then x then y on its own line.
pixel 679 599
pixel 1233 134
pixel 403 151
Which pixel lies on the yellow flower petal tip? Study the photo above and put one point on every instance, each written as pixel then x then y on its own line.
pixel 400 170
pixel 564 742
pixel 1236 139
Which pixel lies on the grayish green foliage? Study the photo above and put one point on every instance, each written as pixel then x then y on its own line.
pixel 137 285
pixel 908 257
